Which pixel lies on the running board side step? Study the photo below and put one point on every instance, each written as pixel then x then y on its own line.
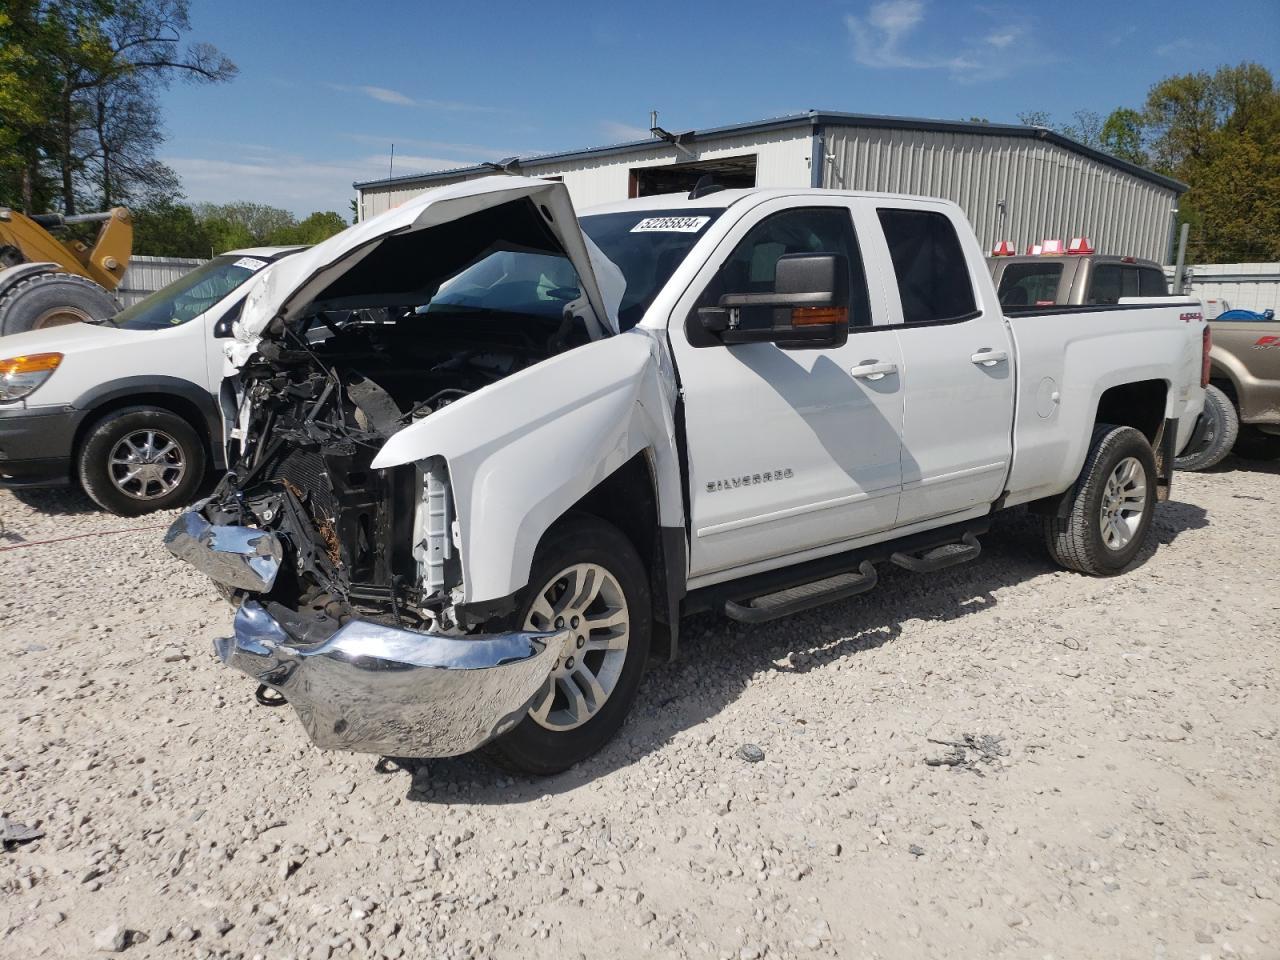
pixel 794 600
pixel 939 558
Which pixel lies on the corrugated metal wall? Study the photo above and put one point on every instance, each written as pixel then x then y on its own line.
pixel 782 160
pixel 146 275
pixel 1249 286
pixel 1048 191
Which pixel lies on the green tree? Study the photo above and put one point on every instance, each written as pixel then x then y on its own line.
pixel 86 72
pixel 1220 134
pixel 313 229
pixel 169 228
pixel 1122 134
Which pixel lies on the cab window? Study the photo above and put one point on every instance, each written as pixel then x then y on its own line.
pixel 933 277
pixel 752 266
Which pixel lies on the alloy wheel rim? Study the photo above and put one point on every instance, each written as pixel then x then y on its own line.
pixel 59 317
pixel 147 465
pixel 587 600
pixel 1124 499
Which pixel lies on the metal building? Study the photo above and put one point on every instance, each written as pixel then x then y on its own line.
pixel 1022 184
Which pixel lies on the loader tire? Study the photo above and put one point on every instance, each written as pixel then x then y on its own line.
pixel 53 299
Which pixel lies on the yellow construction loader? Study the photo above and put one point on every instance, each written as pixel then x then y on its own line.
pixel 45 281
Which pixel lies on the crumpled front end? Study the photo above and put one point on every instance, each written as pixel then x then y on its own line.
pixel 358 684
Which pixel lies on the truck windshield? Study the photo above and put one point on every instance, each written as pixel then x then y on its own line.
pixel 190 295
pixel 647 246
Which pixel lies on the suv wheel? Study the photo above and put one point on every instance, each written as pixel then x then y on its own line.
pixel 140 459
pixel 587 577
pixel 1111 505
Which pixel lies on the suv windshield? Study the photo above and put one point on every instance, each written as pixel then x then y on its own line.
pixel 190 295
pixel 647 246
pixel 510 281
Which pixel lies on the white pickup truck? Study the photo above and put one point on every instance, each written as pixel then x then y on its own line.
pixel 487 453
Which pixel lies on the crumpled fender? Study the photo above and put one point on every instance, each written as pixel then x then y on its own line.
pixel 522 451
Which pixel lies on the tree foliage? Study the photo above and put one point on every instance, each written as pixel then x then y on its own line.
pixel 1219 133
pixel 78 84
pixel 166 227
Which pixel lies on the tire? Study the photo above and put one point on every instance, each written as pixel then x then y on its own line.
pixel 553 737
pixel 52 299
pixel 1253 444
pixel 1082 541
pixel 1221 429
pixel 149 437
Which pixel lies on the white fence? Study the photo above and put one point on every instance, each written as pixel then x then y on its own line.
pixel 1250 286
pixel 146 275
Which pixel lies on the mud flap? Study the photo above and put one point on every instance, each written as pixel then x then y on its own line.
pixel 1166 443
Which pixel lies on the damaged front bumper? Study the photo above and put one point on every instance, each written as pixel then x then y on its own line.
pixel 242 558
pixel 370 687
pixel 373 688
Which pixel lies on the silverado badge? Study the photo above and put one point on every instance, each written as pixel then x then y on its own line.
pixel 749 479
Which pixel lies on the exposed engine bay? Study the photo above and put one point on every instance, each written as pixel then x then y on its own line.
pixel 319 400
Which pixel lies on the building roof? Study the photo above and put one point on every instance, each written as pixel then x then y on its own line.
pixel 812 119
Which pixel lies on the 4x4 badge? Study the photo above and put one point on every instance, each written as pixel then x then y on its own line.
pixel 749 480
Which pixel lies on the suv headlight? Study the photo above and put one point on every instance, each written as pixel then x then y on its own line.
pixel 19 376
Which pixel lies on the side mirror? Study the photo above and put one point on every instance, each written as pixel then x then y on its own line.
pixel 809 306
pixel 222 329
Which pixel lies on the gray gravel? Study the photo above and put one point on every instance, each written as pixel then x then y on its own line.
pixel 1115 789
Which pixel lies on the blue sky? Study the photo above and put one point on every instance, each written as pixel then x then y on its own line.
pixel 326 87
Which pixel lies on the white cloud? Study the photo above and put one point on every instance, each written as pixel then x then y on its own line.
pixel 878 38
pixel 620 132
pixel 287 180
pixel 1175 47
pixel 894 35
pixel 384 95
pixel 396 98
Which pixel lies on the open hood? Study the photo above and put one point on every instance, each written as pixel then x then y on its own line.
pixel 330 272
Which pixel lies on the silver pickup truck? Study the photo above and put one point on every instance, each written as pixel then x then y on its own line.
pixel 486 452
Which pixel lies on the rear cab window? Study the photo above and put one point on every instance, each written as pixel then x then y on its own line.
pixel 1030 284
pixel 930 266
pixel 1108 282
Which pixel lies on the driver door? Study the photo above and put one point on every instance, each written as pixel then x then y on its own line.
pixel 791 450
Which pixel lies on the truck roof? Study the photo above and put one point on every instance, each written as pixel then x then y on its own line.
pixel 263 251
pixel 726 198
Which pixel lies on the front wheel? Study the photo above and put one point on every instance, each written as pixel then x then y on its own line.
pixel 1111 505
pixel 141 459
pixel 586 578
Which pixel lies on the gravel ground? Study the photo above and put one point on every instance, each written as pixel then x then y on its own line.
pixel 1115 791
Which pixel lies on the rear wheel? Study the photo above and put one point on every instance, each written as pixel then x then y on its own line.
pixel 51 300
pixel 586 578
pixel 1222 425
pixel 1111 505
pixel 1253 444
pixel 141 459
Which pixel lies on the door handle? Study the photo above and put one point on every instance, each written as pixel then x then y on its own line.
pixel 989 358
pixel 873 370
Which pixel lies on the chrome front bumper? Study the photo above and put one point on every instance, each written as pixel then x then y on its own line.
pixel 373 688
pixel 369 687
pixel 242 558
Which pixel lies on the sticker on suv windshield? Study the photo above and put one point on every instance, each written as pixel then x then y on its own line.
pixel 670 224
pixel 250 263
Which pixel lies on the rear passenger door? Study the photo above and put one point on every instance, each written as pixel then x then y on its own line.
pixel 957 369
